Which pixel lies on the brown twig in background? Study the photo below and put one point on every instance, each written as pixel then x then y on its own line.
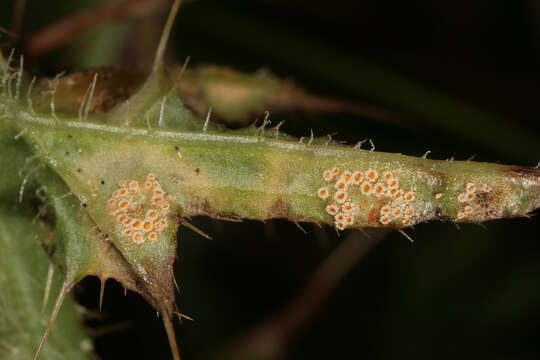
pixel 269 339
pixel 64 31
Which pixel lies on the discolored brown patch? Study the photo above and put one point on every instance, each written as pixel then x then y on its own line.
pixel 525 171
pixel 372 216
pixel 113 85
pixel 278 209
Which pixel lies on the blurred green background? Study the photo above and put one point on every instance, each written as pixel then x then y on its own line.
pixel 463 76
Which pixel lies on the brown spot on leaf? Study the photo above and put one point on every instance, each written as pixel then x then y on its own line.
pixel 372 216
pixel 525 171
pixel 278 209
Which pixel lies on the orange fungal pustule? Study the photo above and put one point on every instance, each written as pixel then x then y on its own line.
pixel 371 175
pixel 399 194
pixel 357 177
pixel 332 209
pixel 379 189
pixel 385 219
pixel 323 193
pixel 328 175
pixel 348 207
pixel 138 237
pixel 341 185
pixel 387 176
pixel 340 196
pixel 366 188
pixel 393 183
pixel 408 196
pixel 346 176
pixel 153 237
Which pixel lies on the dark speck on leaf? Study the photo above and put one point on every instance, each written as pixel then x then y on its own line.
pixel 102 182
pixel 84 205
pixel 176 148
pixel 197 170
pixel 69 136
pixel 79 170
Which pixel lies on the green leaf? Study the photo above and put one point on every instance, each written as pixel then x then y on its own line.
pixel 81 249
pixel 23 274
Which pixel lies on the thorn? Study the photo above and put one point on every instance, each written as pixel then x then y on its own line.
pixel 29 95
pixel 537 165
pixel 169 329
pixel 101 292
pixel 405 234
pixel 372 145
pixel 472 157
pixel 182 71
pixel 301 140
pixel 25 180
pixel 27 161
pixel 160 52
pixel 451 159
pixel 176 285
pixel 184 316
pixel 276 128
pixel 7 69
pixel 457 225
pixel 161 121
pixel 19 78
pixel 231 219
pixel 90 97
pixel 426 154
pixel 359 144
pixel 176 312
pixel 482 225
pixel 11 77
pixel 48 285
pixel 128 108
pixel 83 104
pixel 300 227
pixel 529 216
pixel 18 136
pixel 64 195
pixel 194 228
pixel 364 232
pixel 53 94
pixel 66 288
pixel 311 137
pixel 205 127
pixel 265 122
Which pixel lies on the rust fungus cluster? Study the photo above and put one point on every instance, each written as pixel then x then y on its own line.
pixel 140 210
pixel 346 189
pixel 469 200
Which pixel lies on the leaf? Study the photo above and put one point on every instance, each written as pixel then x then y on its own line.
pixel 18 164
pixel 23 271
pixel 81 249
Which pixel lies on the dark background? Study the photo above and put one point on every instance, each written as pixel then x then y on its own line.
pixel 464 77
